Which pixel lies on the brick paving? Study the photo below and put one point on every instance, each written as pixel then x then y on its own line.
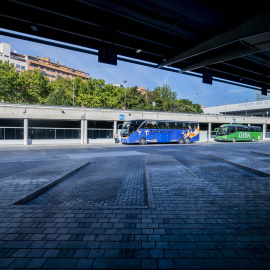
pixel 254 164
pixel 125 187
pixel 194 219
pixel 24 181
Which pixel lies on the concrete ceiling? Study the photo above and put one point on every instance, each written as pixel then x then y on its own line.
pixel 216 38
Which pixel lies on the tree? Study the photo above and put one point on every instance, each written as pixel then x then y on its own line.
pixel 135 99
pixel 35 87
pixel 164 98
pixel 186 106
pixel 59 97
pixel 27 87
pixel 9 83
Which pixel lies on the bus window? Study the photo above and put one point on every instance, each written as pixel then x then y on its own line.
pixel 167 125
pixel 231 129
pixel 131 129
pixel 161 125
pixel 185 125
pixel 143 125
pixel 172 125
pixel 246 129
pixel 251 129
pixel 193 125
pixel 240 128
pixel 180 125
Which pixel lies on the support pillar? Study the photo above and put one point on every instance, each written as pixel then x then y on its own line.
pixel 82 131
pixel 25 131
pixel 114 127
pixel 263 132
pixel 85 132
pixel 209 132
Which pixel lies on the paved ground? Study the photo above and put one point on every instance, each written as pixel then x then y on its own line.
pixel 198 206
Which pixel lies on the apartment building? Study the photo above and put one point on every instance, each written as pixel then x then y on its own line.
pixel 18 60
pixel 142 90
pixel 52 70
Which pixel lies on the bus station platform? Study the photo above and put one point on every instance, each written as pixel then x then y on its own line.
pixel 143 207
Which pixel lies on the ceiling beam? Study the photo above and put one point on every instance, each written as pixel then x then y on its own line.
pixel 255 26
pixel 226 56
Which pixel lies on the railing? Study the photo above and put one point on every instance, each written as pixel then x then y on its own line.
pixel 11 133
pixel 93 133
pixel 54 133
pixel 17 133
pixel 213 134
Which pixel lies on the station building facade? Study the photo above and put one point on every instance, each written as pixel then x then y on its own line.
pixel 259 108
pixel 36 124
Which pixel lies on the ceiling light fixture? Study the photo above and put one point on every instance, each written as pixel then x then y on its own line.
pixel 34 28
pixel 138 51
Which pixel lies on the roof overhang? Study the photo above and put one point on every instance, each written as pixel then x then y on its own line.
pixel 229 42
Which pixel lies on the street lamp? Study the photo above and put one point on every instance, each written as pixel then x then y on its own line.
pixel 73 88
pixel 125 94
pixel 225 105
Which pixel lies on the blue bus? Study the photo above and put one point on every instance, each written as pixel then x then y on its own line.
pixel 158 131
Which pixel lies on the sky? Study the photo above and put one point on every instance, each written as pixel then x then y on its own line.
pixel 186 86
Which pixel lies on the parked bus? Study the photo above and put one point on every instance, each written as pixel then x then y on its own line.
pixel 234 132
pixel 157 131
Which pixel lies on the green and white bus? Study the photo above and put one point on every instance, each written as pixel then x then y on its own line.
pixel 235 132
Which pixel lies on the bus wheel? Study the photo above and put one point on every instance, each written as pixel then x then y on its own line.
pixel 181 140
pixel 187 140
pixel 143 141
pixel 234 139
pixel 253 139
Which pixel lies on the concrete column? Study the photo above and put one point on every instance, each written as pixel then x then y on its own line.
pixel 209 131
pixel 82 131
pixel 85 131
pixel 114 127
pixel 263 131
pixel 25 132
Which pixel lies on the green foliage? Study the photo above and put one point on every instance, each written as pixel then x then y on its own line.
pixel 60 97
pixel 34 88
pixel 27 87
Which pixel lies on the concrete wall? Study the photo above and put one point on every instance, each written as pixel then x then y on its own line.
pixel 15 111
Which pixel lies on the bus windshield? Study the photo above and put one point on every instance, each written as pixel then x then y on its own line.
pixel 129 127
pixel 222 131
pixel 125 129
